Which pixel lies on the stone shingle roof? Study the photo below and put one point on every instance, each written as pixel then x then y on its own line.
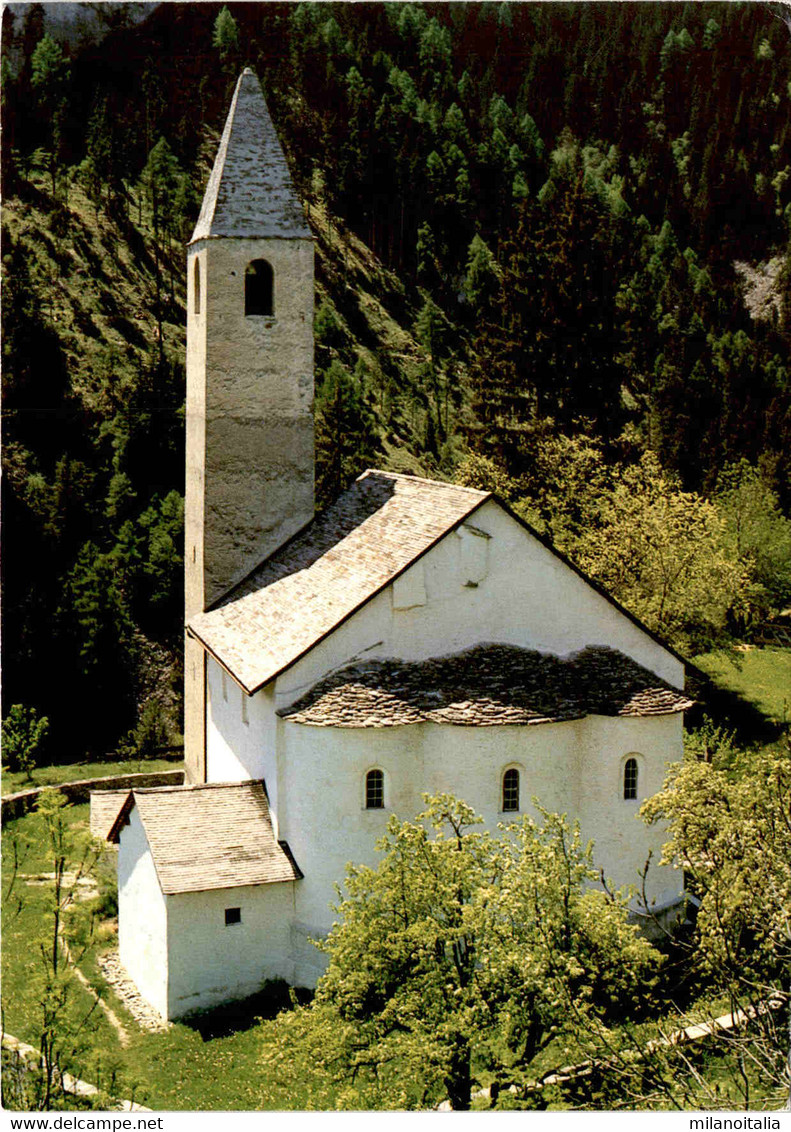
pixel 373 532
pixel 105 808
pixel 249 193
pixel 486 686
pixel 211 836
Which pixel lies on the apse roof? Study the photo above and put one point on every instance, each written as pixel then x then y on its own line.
pixel 486 686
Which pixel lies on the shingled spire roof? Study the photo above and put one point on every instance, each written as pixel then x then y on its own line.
pixel 250 193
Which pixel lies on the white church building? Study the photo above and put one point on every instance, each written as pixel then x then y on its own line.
pixel 415 637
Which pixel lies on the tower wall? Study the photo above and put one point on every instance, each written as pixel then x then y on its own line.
pixel 250 447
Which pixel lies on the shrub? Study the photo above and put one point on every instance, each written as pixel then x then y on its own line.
pixel 23 737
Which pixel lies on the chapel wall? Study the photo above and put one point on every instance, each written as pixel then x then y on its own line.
pixel 327 825
pixel 142 916
pixel 212 962
pixel 241 735
pixel 622 839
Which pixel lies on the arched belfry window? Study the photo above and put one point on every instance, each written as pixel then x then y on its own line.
pixel 630 780
pixel 259 288
pixel 196 288
pixel 374 790
pixel 511 790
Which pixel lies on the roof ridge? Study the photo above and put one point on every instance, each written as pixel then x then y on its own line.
pixel 481 494
pixel 194 786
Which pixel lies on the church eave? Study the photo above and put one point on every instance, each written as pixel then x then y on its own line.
pixel 255 686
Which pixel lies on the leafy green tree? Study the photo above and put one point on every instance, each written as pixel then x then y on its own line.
pixel 49 79
pixel 149 735
pixel 160 181
pixel 729 825
pixel 663 553
pixel 93 170
pixel 24 734
pixel 150 551
pixel 757 533
pixel 97 634
pixel 462 949
pixel 481 282
pixel 64 1017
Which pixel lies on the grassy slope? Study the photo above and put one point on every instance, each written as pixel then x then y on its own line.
pixel 75 772
pixel 175 1070
pixel 761 676
pixel 99 283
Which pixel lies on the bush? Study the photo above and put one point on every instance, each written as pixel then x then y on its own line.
pixel 23 737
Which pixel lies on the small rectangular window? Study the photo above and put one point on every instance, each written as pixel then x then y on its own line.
pixel 233 916
pixel 245 716
pixel 224 685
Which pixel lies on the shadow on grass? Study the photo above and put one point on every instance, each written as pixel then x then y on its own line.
pixel 234 1017
pixel 730 709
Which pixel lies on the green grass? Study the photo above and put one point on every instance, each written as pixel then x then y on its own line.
pixel 182 1069
pixel 73 772
pixel 177 1070
pixel 761 676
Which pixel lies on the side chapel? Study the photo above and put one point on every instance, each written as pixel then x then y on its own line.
pixel 414 637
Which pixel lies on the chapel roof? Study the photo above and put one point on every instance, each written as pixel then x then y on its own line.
pixel 105 808
pixel 250 193
pixel 488 685
pixel 347 554
pixel 216 835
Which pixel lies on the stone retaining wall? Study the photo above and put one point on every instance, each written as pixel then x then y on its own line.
pixel 17 805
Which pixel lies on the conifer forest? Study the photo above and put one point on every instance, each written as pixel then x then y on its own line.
pixel 552 260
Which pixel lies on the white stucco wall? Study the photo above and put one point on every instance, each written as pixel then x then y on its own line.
pixel 240 734
pixel 512 590
pixel 212 962
pixel 491 582
pixel 574 768
pixel 623 840
pixel 142 916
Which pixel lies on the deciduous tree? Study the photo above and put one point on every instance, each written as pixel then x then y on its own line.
pixel 462 950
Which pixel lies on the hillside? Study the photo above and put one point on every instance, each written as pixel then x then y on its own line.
pixel 94 447
pixel 542 239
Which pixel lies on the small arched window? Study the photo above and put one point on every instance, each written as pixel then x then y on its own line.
pixel 196 288
pixel 630 780
pixel 511 790
pixel 374 790
pixel 259 288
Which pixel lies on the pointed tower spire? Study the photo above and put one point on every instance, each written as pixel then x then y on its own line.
pixel 250 193
pixel 249 483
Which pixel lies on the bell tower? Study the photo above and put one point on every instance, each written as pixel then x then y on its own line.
pixel 250 459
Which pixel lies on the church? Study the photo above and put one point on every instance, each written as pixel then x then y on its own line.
pixel 415 637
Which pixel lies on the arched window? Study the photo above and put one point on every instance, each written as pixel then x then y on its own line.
pixel 374 790
pixel 196 288
pixel 630 780
pixel 511 790
pixel 259 288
